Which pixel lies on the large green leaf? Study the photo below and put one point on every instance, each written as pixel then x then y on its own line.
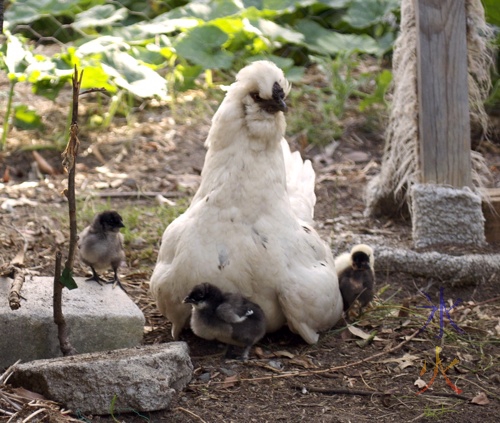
pixel 366 13
pixel 27 11
pixel 96 77
pixel 133 76
pixel 99 16
pixel 144 31
pixel 206 11
pixel 276 32
pixel 492 11
pixel 327 42
pixel 15 57
pixel 203 46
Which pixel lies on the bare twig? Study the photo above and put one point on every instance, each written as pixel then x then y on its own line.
pixel 191 414
pixel 69 162
pixel 94 90
pixel 62 329
pixel 136 194
pixel 15 269
pixel 330 369
pixel 340 391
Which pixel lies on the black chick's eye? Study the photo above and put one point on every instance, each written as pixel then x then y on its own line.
pixel 255 97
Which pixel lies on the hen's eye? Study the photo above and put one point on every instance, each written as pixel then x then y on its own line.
pixel 255 96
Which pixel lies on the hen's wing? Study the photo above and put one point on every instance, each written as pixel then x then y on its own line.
pixel 300 180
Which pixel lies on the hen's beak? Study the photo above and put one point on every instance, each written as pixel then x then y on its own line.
pixel 281 105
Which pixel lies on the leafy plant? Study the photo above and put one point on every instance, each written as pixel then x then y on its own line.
pixel 160 48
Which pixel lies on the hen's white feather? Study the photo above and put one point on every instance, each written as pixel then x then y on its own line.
pixel 245 229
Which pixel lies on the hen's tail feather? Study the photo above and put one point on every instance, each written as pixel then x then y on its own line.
pixel 300 182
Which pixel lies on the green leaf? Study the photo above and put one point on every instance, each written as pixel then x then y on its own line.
pixel 16 58
pixel 366 13
pixel 185 77
pixel 144 31
pixel 492 11
pixel 96 77
pixel 328 42
pixel 67 279
pixel 26 118
pixel 99 16
pixel 135 77
pixel 206 12
pixel 28 11
pixel 203 46
pixel 383 81
pixel 48 87
pixel 276 32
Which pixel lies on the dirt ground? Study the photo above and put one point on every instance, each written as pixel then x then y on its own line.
pixel 344 377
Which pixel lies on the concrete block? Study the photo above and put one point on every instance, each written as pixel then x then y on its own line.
pixel 99 318
pixel 137 379
pixel 446 215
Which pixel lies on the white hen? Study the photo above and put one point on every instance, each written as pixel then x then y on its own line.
pixel 247 229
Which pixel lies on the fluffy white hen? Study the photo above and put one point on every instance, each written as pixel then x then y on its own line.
pixel 248 229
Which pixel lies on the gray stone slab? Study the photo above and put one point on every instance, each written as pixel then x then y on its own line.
pixel 446 215
pixel 136 379
pixel 99 318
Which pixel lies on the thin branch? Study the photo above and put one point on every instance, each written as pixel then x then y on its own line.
pixel 135 194
pixel 62 328
pixel 94 90
pixel 191 414
pixel 330 369
pixel 69 162
pixel 340 391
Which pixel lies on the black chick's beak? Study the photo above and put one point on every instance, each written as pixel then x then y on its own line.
pixel 187 300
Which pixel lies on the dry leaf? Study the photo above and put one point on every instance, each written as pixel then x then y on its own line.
pixel 230 381
pixel 6 175
pixel 259 352
pixel 420 383
pixel 28 394
pixel 59 237
pixel 362 334
pixel 480 399
pixel 303 362
pixel 42 164
pixel 285 354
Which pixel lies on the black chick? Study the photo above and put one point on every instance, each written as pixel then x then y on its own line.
pixel 101 245
pixel 356 278
pixel 227 317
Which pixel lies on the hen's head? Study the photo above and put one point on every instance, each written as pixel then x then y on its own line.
pixel 264 88
pixel 252 109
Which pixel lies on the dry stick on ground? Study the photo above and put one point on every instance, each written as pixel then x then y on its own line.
pixel 340 391
pixel 15 289
pixel 15 269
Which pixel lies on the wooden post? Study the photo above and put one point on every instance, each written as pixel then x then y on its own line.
pixel 443 95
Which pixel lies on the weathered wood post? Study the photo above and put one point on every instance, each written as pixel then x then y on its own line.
pixel 444 208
